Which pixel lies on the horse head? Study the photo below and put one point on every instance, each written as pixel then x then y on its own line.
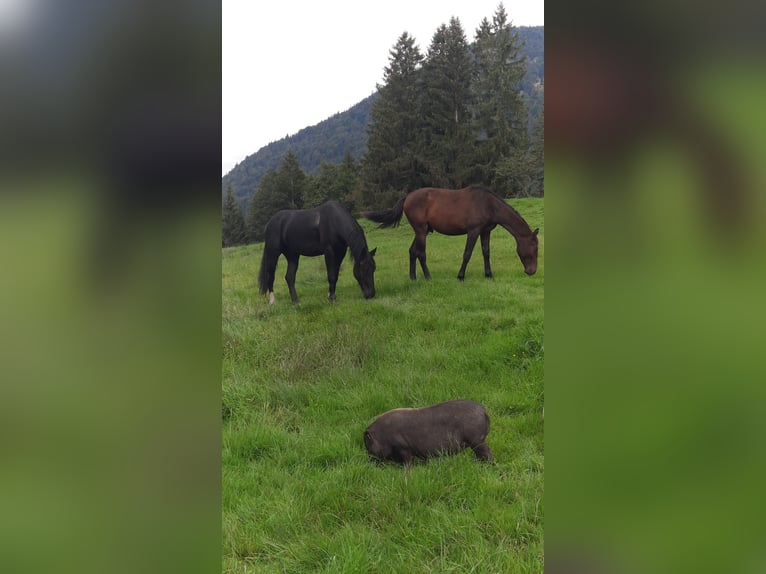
pixel 526 248
pixel 364 272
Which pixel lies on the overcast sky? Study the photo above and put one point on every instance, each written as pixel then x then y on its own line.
pixel 288 65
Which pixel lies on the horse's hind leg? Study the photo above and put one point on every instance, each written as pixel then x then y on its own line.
pixel 418 251
pixel 270 273
pixel 267 272
pixel 485 253
pixel 426 272
pixel 413 258
pixel 470 242
pixel 292 269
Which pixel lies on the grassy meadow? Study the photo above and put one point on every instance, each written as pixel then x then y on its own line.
pixel 301 383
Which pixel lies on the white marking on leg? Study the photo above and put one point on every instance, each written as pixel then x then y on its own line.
pixel 271 297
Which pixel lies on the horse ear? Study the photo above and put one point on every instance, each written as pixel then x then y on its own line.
pixel 535 232
pixel 372 253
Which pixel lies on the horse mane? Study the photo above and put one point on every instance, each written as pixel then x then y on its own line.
pixel 357 241
pixel 352 232
pixel 522 222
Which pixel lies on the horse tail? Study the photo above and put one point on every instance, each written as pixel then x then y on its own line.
pixel 263 284
pixel 389 217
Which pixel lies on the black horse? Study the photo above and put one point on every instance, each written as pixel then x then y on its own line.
pixel 325 230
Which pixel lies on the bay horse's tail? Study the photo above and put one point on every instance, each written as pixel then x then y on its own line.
pixel 389 217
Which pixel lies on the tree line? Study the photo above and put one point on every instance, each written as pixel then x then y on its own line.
pixel 451 117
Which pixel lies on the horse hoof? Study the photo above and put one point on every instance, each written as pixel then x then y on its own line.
pixel 271 298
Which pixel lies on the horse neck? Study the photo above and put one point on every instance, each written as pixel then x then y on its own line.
pixel 510 219
pixel 354 236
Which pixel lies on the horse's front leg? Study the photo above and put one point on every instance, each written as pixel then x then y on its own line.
pixel 470 242
pixel 292 269
pixel 485 253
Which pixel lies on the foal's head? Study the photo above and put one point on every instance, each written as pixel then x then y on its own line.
pixel 364 272
pixel 526 248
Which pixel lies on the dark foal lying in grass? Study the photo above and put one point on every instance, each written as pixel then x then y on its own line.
pixel 445 428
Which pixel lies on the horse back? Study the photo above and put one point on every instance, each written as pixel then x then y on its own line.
pixel 448 211
pixel 295 232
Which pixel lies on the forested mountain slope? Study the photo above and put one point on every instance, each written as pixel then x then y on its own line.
pixel 327 141
pixel 346 132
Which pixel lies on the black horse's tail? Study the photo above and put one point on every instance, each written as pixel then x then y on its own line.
pixel 388 217
pixel 262 274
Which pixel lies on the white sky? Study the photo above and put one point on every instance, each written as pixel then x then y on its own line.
pixel 289 64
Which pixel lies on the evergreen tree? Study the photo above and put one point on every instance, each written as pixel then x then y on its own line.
pixel 282 189
pixel 291 182
pixel 316 188
pixel 334 181
pixel 447 140
pixel 513 173
pixel 500 117
pixel 523 170
pixel 233 223
pixel 263 204
pixel 391 164
pixel 348 181
pixel 537 156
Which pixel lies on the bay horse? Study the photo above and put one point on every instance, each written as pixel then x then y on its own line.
pixel 325 230
pixel 473 211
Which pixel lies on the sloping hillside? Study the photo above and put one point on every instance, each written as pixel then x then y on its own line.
pixel 328 141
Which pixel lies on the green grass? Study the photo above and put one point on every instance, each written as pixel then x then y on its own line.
pixel 301 383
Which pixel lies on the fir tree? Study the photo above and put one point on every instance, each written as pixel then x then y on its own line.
pixel 233 224
pixel 282 189
pixel 334 182
pixel 500 117
pixel 291 183
pixel 263 204
pixel 447 141
pixel 391 164
pixel 537 156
